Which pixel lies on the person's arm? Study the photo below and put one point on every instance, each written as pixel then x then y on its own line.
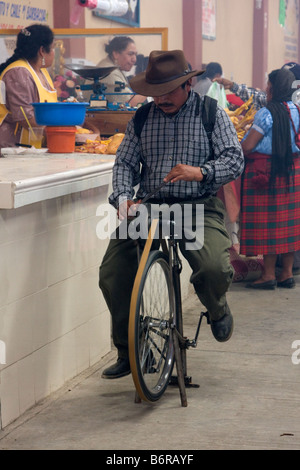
pixel 244 92
pixel 251 141
pixel 227 84
pixel 126 171
pixel 127 209
pixel 20 92
pixel 185 173
pixel 261 126
pixel 227 164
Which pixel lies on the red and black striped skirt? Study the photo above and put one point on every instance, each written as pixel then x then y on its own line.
pixel 269 223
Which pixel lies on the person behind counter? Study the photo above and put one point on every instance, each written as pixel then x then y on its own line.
pixel 26 80
pixel 122 53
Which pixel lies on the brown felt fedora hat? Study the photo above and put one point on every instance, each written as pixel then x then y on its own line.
pixel 166 71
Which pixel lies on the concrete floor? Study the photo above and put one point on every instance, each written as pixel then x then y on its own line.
pixel 249 395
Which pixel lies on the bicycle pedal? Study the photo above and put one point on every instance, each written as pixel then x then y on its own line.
pixel 206 314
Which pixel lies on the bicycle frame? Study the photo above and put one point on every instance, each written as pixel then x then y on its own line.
pixel 180 343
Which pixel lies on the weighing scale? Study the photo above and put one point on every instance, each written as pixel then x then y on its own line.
pixel 98 101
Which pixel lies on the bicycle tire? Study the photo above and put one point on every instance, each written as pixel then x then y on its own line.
pixel 153 310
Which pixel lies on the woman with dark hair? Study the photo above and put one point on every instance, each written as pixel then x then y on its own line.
pixel 270 214
pixel 24 79
pixel 121 53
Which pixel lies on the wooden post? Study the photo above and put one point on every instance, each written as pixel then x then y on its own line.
pixel 260 44
pixel 61 19
pixel 192 32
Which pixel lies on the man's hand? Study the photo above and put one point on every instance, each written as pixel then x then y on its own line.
pixel 185 173
pixel 227 84
pixel 127 209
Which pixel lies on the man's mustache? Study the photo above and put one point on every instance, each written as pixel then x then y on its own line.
pixel 165 105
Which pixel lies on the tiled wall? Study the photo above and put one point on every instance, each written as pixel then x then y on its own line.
pixel 53 319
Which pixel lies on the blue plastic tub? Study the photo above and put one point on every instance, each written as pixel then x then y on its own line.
pixel 60 114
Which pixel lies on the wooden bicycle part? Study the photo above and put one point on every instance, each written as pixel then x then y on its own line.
pixel 134 296
pixel 144 318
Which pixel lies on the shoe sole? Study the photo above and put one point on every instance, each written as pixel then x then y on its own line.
pixel 286 285
pixel 119 376
pixel 261 286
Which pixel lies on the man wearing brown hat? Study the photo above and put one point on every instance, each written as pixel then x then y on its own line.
pixel 173 147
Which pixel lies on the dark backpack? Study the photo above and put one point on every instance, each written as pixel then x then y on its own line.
pixel 209 111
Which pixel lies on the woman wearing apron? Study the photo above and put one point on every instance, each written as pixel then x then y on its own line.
pixel 24 79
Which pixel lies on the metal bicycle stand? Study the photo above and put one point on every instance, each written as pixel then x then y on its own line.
pixel 181 344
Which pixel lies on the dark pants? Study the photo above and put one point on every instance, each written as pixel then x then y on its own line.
pixel 211 275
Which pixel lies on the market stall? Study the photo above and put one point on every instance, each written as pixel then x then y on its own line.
pixel 109 117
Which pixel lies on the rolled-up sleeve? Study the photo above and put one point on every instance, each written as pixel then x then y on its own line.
pixel 126 171
pixel 228 161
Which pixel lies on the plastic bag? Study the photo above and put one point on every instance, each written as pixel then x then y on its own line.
pixel 217 92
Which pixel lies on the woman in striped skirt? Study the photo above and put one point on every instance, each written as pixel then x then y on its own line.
pixel 270 211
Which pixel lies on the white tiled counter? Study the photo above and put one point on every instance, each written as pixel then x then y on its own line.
pixel 54 323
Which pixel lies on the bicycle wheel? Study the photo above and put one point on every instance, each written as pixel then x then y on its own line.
pixel 151 348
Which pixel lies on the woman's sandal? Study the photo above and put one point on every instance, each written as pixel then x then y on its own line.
pixel 267 285
pixel 287 283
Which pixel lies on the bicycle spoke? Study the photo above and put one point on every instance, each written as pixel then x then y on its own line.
pixel 159 333
pixel 155 346
pixel 154 342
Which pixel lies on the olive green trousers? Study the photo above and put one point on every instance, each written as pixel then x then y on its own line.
pixel 211 273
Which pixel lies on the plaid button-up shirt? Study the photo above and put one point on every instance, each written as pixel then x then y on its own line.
pixel 166 141
pixel 259 96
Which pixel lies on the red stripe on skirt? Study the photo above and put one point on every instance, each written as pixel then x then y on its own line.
pixel 269 224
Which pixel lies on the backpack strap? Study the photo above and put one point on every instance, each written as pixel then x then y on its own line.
pixel 140 117
pixel 290 116
pixel 209 112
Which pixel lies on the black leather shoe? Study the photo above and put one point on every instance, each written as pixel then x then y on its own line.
pixel 117 370
pixel 287 283
pixel 222 329
pixel 267 285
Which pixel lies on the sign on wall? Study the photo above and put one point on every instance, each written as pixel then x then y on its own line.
pixel 209 19
pixel 131 18
pixel 18 14
pixel 289 20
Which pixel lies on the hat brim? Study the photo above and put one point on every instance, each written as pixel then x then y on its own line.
pixel 140 85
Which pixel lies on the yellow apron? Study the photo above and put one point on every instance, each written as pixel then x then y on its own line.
pixel 44 94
